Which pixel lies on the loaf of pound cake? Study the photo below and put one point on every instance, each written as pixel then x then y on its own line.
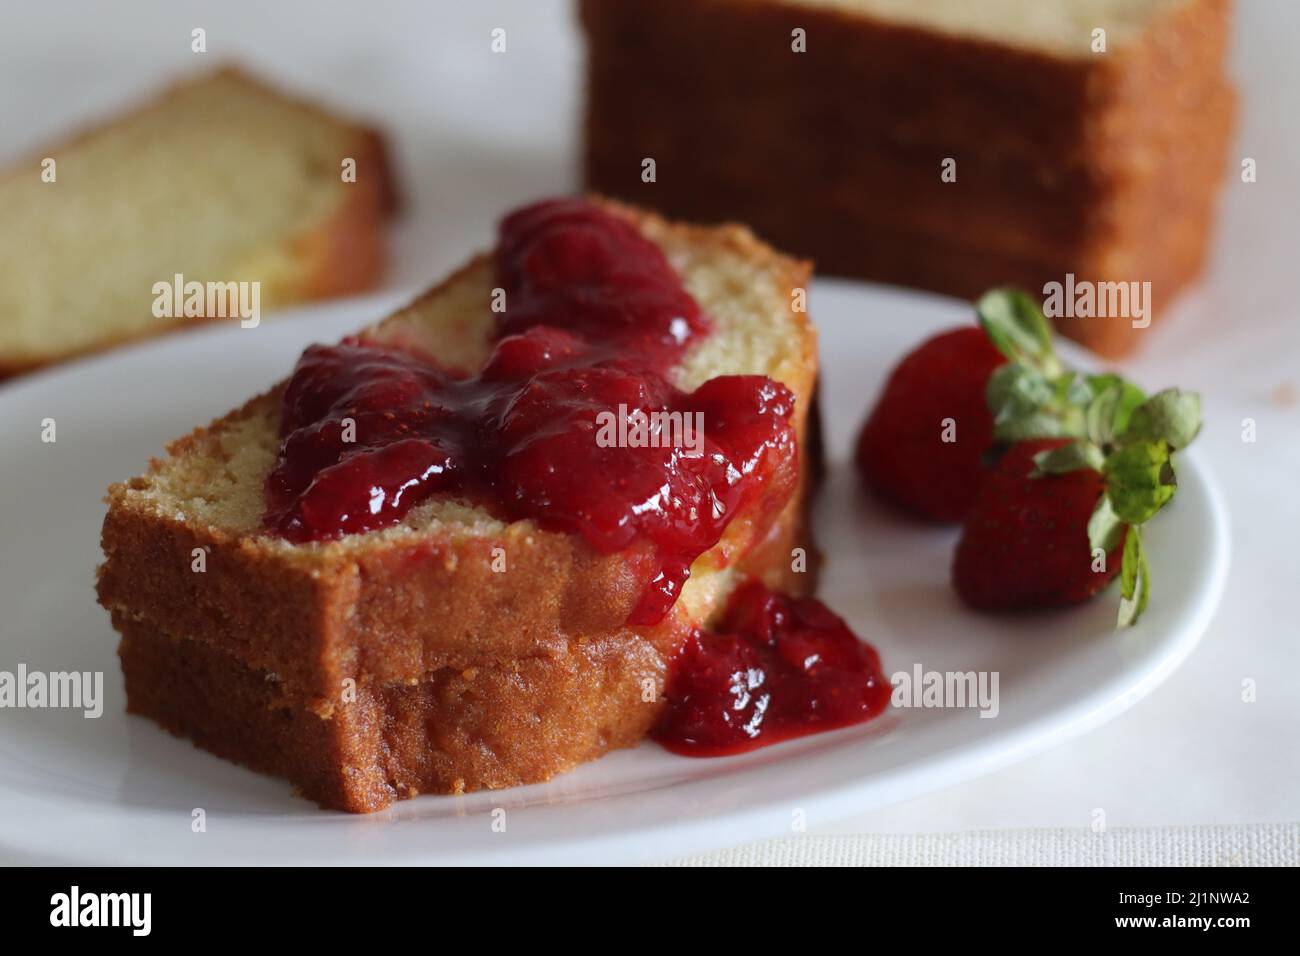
pixel 417 566
pixel 942 144
pixel 221 184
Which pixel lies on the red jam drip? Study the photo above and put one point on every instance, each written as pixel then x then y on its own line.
pixel 777 668
pixel 595 316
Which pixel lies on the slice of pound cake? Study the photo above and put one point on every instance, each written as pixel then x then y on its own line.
pixel 943 144
pixel 459 549
pixel 221 200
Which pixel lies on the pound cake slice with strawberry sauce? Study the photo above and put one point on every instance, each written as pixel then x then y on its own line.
pixel 442 557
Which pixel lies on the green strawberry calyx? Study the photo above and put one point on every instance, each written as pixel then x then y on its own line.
pixel 1130 440
pixel 1033 394
pixel 1115 430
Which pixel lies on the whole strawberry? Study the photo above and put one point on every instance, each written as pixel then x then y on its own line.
pixel 1025 540
pixel 1056 519
pixel 947 402
pixel 922 446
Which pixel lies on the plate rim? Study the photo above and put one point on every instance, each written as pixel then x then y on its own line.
pixel 708 830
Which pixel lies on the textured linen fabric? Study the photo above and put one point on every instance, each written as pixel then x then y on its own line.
pixel 1266 844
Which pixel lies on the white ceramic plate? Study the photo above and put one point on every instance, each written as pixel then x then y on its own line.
pixel 119 790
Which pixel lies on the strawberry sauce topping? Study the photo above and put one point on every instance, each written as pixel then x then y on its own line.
pixel 595 318
pixel 776 668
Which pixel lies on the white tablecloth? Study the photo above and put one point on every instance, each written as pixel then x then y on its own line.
pixel 1197 773
pixel 1268 844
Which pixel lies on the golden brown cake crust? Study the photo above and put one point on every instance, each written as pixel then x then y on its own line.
pixel 1106 166
pixel 490 727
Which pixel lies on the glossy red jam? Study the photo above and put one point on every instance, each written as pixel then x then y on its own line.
pixel 594 318
pixel 570 265
pixel 776 668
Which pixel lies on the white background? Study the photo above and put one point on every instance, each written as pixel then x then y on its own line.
pixel 475 133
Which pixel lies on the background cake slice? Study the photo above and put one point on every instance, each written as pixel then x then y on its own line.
pixel 220 180
pixel 414 617
pixel 1064 158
